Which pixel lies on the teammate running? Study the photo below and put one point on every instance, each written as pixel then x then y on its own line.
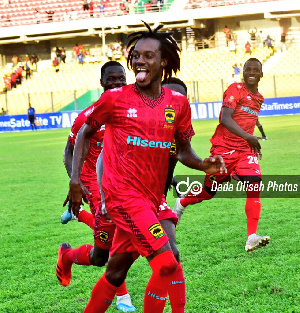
pixel 112 76
pixel 234 141
pixel 141 122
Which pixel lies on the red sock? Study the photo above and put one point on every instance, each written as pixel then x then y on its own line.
pixel 122 290
pixel 252 209
pixel 192 199
pixel 79 255
pixel 176 291
pixel 103 294
pixel 86 218
pixel 163 267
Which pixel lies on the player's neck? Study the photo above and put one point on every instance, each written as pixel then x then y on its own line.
pixel 151 92
pixel 253 89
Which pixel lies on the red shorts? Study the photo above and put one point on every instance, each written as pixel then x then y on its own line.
pixel 165 213
pixel 241 163
pixel 103 231
pixel 138 228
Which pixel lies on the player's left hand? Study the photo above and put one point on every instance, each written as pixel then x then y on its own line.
pixel 77 193
pixel 214 165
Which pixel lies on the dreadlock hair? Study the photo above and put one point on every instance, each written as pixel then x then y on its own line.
pixel 168 47
pixel 108 64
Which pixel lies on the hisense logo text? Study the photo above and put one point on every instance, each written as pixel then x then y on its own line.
pixel 138 141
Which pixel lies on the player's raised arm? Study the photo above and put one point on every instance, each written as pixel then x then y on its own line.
pixel 187 156
pixel 76 192
pixel 233 127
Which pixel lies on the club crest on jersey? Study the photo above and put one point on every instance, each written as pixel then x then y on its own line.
pixel 103 236
pixel 156 230
pixel 169 115
pixel 131 112
pixel 212 178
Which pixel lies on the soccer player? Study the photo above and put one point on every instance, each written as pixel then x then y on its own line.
pixel 112 76
pixel 234 141
pixel 141 121
pixel 177 85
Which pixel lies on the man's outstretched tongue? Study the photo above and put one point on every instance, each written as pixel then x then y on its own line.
pixel 141 76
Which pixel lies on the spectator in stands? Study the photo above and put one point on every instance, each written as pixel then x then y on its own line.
pixel 63 55
pixel 85 5
pixel 101 7
pixel 55 64
pixel 126 6
pixel 74 15
pixel 19 72
pixel 252 34
pixel 131 7
pixel 3 112
pixel 227 32
pixel 77 49
pixel 91 8
pixel 119 11
pixel 282 41
pixel 110 53
pixel 147 6
pixel 269 42
pixel 232 47
pixel 259 38
pixel 236 72
pixel 248 48
pixel 27 69
pixel 50 16
pixel 6 3
pixel 7 82
pixel 34 60
pixel 58 54
pixel 13 79
pixel 38 16
pixel 15 60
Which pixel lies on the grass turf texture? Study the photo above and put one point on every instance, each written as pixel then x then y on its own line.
pixel 220 275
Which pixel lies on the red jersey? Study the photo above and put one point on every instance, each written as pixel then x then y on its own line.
pixel 138 137
pixel 89 166
pixel 246 107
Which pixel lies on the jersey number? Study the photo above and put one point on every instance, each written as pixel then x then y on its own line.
pixel 252 159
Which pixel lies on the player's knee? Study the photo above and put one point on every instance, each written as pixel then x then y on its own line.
pixel 99 259
pixel 115 276
pixel 168 265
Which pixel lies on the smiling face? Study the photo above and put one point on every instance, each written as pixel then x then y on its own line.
pixel 252 74
pixel 114 76
pixel 147 62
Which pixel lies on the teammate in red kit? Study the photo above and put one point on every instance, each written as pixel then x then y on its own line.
pixel 234 140
pixel 141 123
pixel 112 76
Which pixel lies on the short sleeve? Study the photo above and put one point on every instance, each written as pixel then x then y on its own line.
pixel 79 121
pixel 184 130
pixel 103 111
pixel 231 97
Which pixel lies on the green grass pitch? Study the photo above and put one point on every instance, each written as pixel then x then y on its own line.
pixel 220 275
